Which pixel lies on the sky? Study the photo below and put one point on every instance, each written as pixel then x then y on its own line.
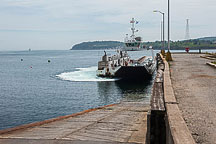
pixel 60 24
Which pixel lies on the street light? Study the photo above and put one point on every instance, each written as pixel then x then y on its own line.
pixel 168 25
pixel 163 27
pixel 168 55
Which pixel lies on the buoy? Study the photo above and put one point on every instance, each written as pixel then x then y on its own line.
pixel 48 60
pixel 21 59
pixel 30 66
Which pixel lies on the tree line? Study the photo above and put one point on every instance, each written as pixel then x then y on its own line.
pixel 200 43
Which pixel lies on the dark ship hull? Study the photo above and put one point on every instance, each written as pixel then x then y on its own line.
pixel 137 73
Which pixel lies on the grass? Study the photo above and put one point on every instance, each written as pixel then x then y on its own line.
pixel 210 53
pixel 214 62
pixel 213 55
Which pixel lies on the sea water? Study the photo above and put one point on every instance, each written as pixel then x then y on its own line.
pixel 39 85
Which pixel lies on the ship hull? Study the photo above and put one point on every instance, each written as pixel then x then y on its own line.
pixel 133 73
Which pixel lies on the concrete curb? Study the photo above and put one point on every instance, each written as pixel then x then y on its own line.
pixel 211 64
pixel 25 126
pixel 206 57
pixel 177 130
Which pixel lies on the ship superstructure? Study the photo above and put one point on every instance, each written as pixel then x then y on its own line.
pixel 110 64
pixel 132 43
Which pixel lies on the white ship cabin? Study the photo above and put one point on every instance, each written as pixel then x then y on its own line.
pixel 136 42
pixel 120 59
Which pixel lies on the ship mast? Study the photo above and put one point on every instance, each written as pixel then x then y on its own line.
pixel 132 29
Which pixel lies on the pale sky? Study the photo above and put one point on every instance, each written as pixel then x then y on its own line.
pixel 59 24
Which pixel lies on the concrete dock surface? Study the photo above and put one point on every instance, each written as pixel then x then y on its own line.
pixel 120 123
pixel 194 85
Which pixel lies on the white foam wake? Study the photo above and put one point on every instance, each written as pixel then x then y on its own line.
pixel 83 74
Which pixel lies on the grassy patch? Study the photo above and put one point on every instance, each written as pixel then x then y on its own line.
pixel 213 55
pixel 214 62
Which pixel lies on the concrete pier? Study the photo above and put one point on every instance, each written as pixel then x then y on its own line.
pixel 194 85
pixel 120 123
pixel 166 123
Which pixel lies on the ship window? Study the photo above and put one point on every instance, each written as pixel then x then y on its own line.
pixel 130 44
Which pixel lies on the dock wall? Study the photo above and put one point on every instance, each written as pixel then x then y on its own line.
pixel 166 126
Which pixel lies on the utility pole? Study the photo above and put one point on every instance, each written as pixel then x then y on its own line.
pixel 163 34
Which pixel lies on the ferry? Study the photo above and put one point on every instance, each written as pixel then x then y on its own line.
pixel 133 43
pixel 122 66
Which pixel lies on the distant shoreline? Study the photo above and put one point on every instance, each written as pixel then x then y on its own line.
pixel 193 44
pixel 154 49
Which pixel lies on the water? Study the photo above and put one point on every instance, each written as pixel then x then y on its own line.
pixel 33 89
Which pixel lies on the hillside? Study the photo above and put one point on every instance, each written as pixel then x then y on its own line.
pixel 200 43
pixel 208 39
pixel 97 45
pixel 181 45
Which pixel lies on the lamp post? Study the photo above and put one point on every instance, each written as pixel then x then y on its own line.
pixel 163 27
pixel 168 55
pixel 161 31
pixel 168 25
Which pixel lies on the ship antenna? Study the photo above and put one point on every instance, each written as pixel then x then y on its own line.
pixel 133 29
